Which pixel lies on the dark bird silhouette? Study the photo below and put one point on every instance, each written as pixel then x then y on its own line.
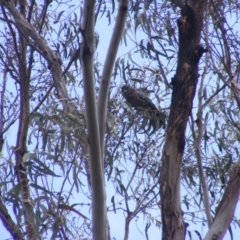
pixel 137 99
pixel 142 102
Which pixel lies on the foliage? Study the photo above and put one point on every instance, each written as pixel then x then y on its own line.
pixel 56 159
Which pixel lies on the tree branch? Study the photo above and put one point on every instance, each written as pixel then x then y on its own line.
pixel 198 153
pixel 108 66
pixel 8 223
pixel 99 217
pixel 226 207
pixel 54 64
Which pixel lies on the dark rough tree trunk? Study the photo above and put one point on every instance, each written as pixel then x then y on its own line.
pixel 184 88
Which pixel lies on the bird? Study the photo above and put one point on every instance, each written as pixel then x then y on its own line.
pixel 137 98
pixel 140 101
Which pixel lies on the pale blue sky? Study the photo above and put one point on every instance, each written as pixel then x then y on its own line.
pixel 117 220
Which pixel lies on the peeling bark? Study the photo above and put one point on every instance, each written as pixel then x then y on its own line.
pixel 184 88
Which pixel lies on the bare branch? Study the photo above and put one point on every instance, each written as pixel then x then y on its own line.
pixel 236 91
pixel 99 217
pixel 197 145
pixel 8 223
pixel 108 67
pixel 226 207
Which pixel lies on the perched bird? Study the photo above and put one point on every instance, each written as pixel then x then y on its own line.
pixel 137 99
pixel 142 102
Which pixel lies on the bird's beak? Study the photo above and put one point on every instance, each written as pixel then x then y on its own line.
pixel 124 90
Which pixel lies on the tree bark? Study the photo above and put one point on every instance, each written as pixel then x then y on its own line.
pixel 226 207
pixel 184 88
pixel 108 67
pixel 99 212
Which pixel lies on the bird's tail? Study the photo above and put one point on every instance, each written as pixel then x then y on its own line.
pixel 158 120
pixel 153 121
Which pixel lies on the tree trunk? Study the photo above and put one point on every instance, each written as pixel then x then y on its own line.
pixel 184 88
